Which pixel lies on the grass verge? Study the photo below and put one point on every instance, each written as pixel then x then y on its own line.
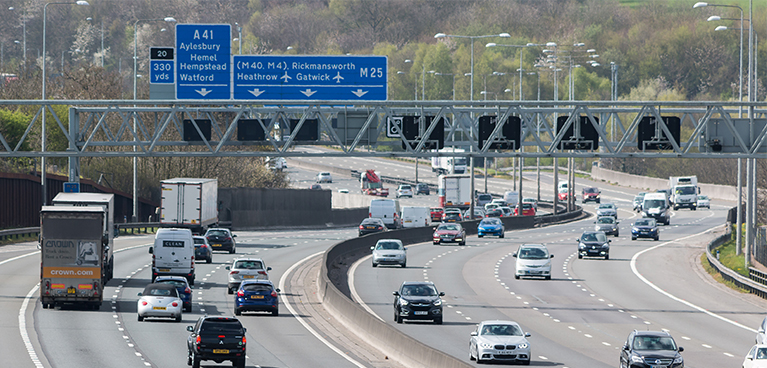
pixel 25 238
pixel 718 276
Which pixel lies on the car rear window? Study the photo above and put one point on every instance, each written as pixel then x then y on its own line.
pixel 222 326
pixel 173 282
pixel 249 265
pixel 485 197
pixel 199 241
pixel 217 233
pixel 257 287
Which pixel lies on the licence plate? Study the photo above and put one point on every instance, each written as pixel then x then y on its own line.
pixel 657 366
pixel 504 352
pixel 158 308
pixel 220 351
pixel 420 313
pixel 71 290
pixel 370 227
pixel 408 221
pixel 248 277
pixel 533 272
pixel 256 296
pixel 164 270
pixel 216 245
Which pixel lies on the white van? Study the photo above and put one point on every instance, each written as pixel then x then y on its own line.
pixel 415 216
pixel 173 254
pixel 656 205
pixel 511 198
pixel 387 210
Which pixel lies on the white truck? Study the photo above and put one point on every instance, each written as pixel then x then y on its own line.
pixel 105 201
pixel 684 192
pixel 189 203
pixel 454 191
pixel 73 254
pixel 444 165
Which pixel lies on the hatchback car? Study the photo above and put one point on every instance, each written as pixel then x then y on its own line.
pixel 650 349
pixel 483 199
pixel 217 339
pixel 449 233
pixel 607 209
pixel 494 213
pixel 436 213
pixel 593 244
pixel 532 201
pixel 418 300
pixel 491 226
pixel 703 201
pixel 608 224
pixel 221 239
pixel 324 177
pixel 756 357
pixel 422 188
pixel 405 190
pixel 500 341
pixel 161 301
pixel 562 194
pixel 491 206
pixel 527 209
pixel 507 211
pixel 202 250
pixel 645 228
pixel 371 225
pixel 478 214
pixel 246 269
pixel 389 251
pixel 182 287
pixel 257 296
pixel 499 201
pixel 638 200
pixel 590 194
pixel 533 260
pixel 452 217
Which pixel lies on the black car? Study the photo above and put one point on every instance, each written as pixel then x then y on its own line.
pixel 418 300
pixel 221 239
pixel 593 244
pixel 217 339
pixel 202 250
pixel 649 349
pixel 422 188
pixel 645 228
pixel 371 225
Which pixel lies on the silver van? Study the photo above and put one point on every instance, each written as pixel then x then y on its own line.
pixel 173 254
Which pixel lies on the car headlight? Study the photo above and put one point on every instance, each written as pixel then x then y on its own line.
pixel 637 359
pixel 403 302
pixel 605 246
pixel 678 360
pixel 438 302
pixel 581 246
pixel 485 345
pixel 547 264
pixel 634 230
pixel 523 345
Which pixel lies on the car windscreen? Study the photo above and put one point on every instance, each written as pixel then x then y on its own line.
pixel 654 203
pixel 160 290
pixel 490 221
pixel 371 221
pixel 501 330
pixel 606 205
pixel 644 223
pixel 590 190
pixel 419 290
pixel 388 245
pixel 448 227
pixel 654 343
pixel 533 253
pixel 593 237
pixel 685 190
pixel 249 265
pixel 606 220
pixel 702 197
pixel 175 283
pixel 485 197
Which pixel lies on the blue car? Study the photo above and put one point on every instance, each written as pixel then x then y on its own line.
pixel 257 296
pixel 645 228
pixel 182 286
pixel 490 226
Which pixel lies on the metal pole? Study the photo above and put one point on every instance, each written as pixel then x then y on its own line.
pixel 484 162
pixel 102 43
pixel 134 218
pixel 471 147
pixel 42 128
pixel 423 80
pixel 521 51
pixel 739 226
pixel 521 162
pixel 751 162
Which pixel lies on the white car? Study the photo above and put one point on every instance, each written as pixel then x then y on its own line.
pixel 703 201
pixel 756 357
pixel 324 177
pixel 533 260
pixel 389 251
pixel 405 190
pixel 159 300
pixel 502 341
pixel 246 269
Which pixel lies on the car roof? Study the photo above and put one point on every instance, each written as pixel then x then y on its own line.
pixel 160 286
pixel 247 259
pixel 218 228
pixel 651 333
pixel 394 240
pixel 417 283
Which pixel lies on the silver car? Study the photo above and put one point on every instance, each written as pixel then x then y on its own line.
pixel 246 269
pixel 159 300
pixel 533 260
pixel 703 201
pixel 607 209
pixel 501 341
pixel 324 177
pixel 608 224
pixel 389 251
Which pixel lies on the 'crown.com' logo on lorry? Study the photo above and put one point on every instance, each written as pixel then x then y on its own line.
pixel 59 244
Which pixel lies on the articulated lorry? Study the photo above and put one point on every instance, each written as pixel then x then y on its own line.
pixel 684 192
pixel 189 203
pixel 74 254
pixel 454 191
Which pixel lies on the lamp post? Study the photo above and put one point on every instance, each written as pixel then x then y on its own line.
pixel 42 128
pixel 135 90
pixel 23 35
pixel 239 36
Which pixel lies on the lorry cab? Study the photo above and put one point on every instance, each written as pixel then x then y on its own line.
pixel 173 254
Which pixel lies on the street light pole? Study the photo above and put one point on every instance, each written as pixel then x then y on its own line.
pixel 42 128
pixel 239 37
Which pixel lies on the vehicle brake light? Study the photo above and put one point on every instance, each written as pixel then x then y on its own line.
pixel 370 214
pixel 187 291
pixel 240 293
pixel 175 304
pixel 143 302
pixel 362 227
pixel 203 246
pixel 234 272
pixel 227 238
pixel 244 341
pixel 274 293
pixel 198 340
pixel 262 272
pixel 221 336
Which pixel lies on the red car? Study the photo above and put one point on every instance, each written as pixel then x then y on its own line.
pixel 527 209
pixel 563 194
pixel 591 194
pixel 449 233
pixel 436 213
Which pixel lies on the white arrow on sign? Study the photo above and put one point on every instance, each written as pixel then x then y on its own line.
pixel 204 91
pixel 308 92
pixel 359 92
pixel 256 92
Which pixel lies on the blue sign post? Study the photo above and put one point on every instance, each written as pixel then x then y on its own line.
pixel 161 71
pixel 203 56
pixel 71 187
pixel 291 77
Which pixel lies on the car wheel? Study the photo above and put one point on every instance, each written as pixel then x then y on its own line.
pixel 479 236
pixel 580 256
pixel 471 356
pixel 598 201
pixel 188 309
pixel 191 282
pixel 195 361
pixel 209 260
pixel 501 236
pixel 657 238
pixel 438 321
pixel 436 243
pixel 607 256
pixel 404 264
pixel 397 317
pixel 231 251
pixel 178 318
pixel 188 359
pixel 526 362
pixel 140 318
pixel 462 243
pixel 237 312
pixel 547 277
pixel 239 363
pixel 229 291
pixel 276 312
pixel 633 238
pixel 516 277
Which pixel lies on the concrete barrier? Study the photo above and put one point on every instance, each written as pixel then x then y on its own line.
pixel 725 192
pixel 351 200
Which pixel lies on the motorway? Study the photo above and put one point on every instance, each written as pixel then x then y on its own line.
pixel 580 318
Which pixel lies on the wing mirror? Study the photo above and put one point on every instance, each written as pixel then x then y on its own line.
pixel 268 268
pixel 395 293
pixel 139 294
pixel 277 290
pixel 190 328
pixel 551 256
pixel 227 267
pixel 681 349
pixel 473 333
pixel 441 293
pixel 527 334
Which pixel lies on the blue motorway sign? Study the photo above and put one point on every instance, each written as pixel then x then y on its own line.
pixel 293 77
pixel 203 56
pixel 161 71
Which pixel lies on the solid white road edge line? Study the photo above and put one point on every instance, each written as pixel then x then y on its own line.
pixel 673 297
pixel 301 320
